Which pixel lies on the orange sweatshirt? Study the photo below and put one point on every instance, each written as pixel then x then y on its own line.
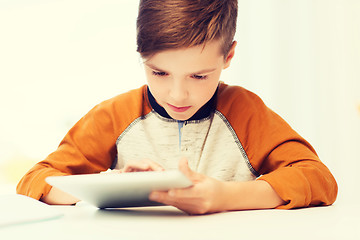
pixel 235 137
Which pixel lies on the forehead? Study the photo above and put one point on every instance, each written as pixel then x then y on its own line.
pixel 192 58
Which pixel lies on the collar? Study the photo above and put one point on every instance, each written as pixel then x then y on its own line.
pixel 202 113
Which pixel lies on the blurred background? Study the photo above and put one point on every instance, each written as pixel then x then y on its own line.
pixel 59 58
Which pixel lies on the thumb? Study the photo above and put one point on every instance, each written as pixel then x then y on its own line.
pixel 185 169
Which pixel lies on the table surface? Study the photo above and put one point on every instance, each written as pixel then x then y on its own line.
pixel 87 222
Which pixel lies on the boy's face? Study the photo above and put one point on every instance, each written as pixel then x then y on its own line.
pixel 183 80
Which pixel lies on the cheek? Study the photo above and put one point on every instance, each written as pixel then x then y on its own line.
pixel 157 89
pixel 204 92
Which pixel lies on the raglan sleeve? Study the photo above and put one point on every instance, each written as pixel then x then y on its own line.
pixel 282 157
pixel 88 147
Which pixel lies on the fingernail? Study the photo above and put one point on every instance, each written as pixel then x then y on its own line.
pixel 153 196
pixel 171 193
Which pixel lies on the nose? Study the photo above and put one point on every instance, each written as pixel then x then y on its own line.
pixel 178 91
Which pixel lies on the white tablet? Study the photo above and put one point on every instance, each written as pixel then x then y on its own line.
pixel 119 190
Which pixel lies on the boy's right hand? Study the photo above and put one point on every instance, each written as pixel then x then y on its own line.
pixel 142 166
pixel 137 166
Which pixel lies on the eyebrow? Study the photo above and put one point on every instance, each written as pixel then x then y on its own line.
pixel 198 72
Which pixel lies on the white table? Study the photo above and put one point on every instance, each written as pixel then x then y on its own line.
pixel 87 222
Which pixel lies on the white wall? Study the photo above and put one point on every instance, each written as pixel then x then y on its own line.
pixel 59 58
pixel 303 58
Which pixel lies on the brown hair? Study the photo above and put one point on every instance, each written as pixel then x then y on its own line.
pixel 169 24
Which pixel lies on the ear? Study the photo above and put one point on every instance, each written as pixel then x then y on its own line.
pixel 230 55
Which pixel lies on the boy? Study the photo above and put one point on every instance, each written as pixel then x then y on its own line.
pixel 238 153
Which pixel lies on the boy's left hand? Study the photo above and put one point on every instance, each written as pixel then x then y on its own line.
pixel 205 196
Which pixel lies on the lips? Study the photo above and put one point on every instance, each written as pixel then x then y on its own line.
pixel 178 109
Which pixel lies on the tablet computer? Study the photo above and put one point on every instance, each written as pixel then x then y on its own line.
pixel 120 190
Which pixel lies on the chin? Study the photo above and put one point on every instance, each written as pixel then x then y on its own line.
pixel 183 116
pixel 180 118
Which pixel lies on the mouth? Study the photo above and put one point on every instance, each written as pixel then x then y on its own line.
pixel 178 109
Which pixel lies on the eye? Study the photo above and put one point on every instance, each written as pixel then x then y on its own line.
pixel 160 74
pixel 199 77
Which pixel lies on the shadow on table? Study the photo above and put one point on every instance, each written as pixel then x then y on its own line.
pixel 142 212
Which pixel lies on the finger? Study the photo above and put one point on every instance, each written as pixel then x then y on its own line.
pixel 187 205
pixel 192 192
pixel 154 166
pixel 143 165
pixel 158 196
pixel 136 166
pixel 111 171
pixel 164 198
pixel 181 193
pixel 185 169
pixel 173 195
